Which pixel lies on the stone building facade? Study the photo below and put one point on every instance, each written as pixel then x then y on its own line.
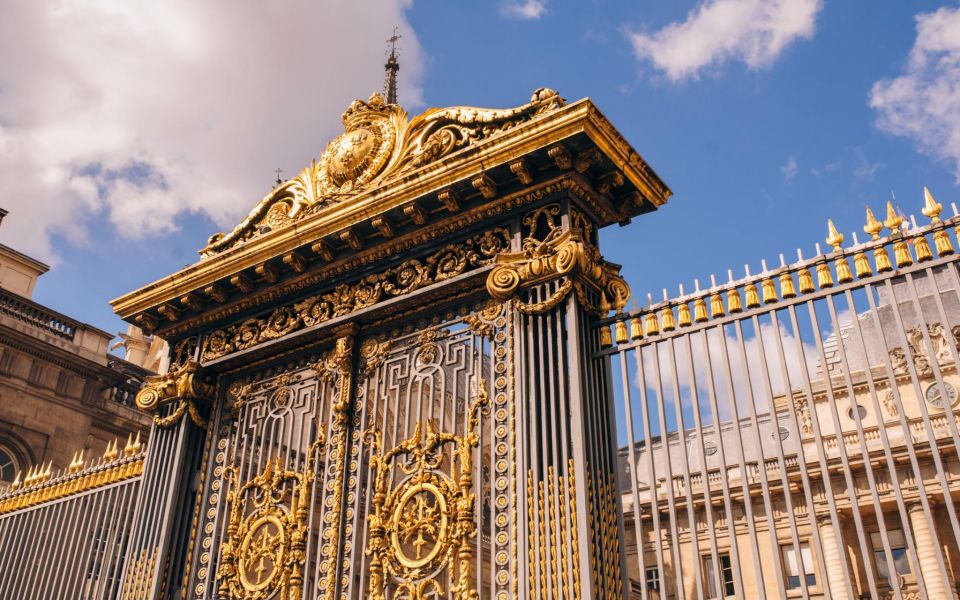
pixel 61 391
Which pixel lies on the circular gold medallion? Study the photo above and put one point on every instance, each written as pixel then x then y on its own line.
pixel 356 157
pixel 421 522
pixel 261 553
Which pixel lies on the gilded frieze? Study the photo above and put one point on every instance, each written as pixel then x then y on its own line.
pixel 408 276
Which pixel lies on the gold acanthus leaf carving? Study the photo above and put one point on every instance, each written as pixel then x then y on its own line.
pixel 378 144
pixel 422 526
pixel 563 254
pixel 408 276
pixel 183 384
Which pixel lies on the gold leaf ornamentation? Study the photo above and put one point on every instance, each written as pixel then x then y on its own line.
pixel 408 276
pixel 421 526
pixel 551 251
pixel 265 549
pixel 378 144
pixel 183 384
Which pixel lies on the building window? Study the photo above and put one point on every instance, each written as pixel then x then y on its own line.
pixel 8 466
pixel 726 576
pixel 898 551
pixel 653 579
pixel 860 411
pixel 792 565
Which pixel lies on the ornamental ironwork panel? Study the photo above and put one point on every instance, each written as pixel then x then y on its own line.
pixel 432 478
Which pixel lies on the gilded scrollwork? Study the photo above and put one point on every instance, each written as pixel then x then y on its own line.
pixel 552 251
pixel 183 385
pixel 265 550
pixel 378 144
pixel 564 255
pixel 483 323
pixel 422 526
pixel 408 276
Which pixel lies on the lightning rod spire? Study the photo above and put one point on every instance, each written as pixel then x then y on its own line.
pixel 392 66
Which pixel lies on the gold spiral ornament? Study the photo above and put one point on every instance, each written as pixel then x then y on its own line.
pixel 502 282
pixel 148 398
pixel 567 257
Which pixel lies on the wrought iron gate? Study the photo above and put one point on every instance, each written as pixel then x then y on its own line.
pixel 419 415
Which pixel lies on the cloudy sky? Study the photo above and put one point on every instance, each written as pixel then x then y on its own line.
pixel 130 131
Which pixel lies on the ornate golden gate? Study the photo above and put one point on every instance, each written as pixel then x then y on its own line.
pixel 382 384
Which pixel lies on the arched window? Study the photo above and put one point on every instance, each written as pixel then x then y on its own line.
pixel 8 465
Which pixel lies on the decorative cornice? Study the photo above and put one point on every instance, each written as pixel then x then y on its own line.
pixel 570 183
pixel 579 124
pixel 446 263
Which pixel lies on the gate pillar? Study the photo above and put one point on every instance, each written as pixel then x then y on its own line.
pixel 559 284
pixel 161 536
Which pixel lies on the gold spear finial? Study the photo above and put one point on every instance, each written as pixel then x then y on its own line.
pixel 893 220
pixel 834 237
pixel 873 226
pixel 931 208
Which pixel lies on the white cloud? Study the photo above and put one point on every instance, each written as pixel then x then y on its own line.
pixel 789 169
pixel 523 9
pixel 924 102
pixel 754 32
pixel 141 111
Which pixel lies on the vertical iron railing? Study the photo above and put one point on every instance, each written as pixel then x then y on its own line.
pixel 791 439
pixel 66 535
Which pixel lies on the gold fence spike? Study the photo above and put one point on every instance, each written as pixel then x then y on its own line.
pixel 862 265
pixel 769 291
pixel 931 208
pixel 824 276
pixel 700 310
pixel 650 323
pixel 843 270
pixel 666 319
pixel 834 237
pixel 873 226
pixel 620 332
pixel 716 305
pixel 734 304
pixel 787 289
pixel 683 315
pixel 893 220
pixel 805 280
pixel 636 328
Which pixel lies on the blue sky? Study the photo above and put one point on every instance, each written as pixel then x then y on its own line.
pixel 757 114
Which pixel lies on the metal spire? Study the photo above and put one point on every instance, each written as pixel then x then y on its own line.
pixel 392 66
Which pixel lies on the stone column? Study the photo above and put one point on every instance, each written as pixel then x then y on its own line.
pixel 832 556
pixel 926 542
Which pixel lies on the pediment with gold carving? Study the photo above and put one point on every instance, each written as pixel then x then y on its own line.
pixel 378 144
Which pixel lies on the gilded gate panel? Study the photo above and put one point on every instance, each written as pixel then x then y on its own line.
pixel 270 501
pixel 432 447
